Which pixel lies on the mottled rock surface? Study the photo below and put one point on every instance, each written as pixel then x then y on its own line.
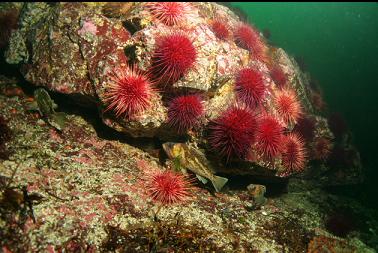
pixel 83 193
pixel 71 48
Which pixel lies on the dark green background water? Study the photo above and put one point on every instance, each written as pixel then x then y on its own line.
pixel 339 42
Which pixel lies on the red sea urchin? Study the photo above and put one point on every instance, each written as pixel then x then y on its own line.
pixel 269 137
pixel 184 112
pixel 129 92
pixel 174 55
pixel 248 37
pixel 233 133
pixel 169 13
pixel 306 127
pixel 220 29
pixel 249 86
pixel 278 76
pixel 322 148
pixel 294 154
pixel 288 106
pixel 167 187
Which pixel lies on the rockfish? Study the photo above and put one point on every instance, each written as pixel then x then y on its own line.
pixel 192 159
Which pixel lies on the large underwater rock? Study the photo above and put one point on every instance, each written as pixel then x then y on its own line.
pixel 72 48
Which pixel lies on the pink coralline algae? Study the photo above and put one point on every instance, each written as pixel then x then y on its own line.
pixel 88 27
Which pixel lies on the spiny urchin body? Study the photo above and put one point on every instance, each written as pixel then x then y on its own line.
pixel 249 86
pixel 220 29
pixel 129 92
pixel 278 76
pixel 288 106
pixel 248 37
pixel 269 137
pixel 167 187
pixel 170 13
pixel 306 127
pixel 294 155
pixel 184 112
pixel 233 133
pixel 322 148
pixel 174 55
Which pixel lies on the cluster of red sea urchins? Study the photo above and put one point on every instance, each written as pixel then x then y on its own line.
pixel 129 90
pixel 233 134
pixel 238 129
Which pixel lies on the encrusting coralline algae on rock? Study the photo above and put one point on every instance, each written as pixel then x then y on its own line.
pixel 177 72
pixel 175 50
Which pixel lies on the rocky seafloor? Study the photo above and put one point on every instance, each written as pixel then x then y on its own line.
pixel 75 186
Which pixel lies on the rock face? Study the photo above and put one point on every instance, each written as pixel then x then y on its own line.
pixel 73 49
pixel 72 191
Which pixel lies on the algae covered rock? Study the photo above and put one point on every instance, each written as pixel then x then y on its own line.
pixel 130 60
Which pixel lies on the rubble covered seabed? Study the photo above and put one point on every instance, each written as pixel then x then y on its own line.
pixel 77 189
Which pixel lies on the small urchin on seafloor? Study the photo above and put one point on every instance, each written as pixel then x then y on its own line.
pixel 128 92
pixel 184 112
pixel 233 132
pixel 173 57
pixel 167 187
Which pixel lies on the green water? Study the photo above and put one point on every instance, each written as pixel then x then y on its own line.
pixel 339 42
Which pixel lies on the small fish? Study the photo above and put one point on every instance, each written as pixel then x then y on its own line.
pixel 257 193
pixel 46 108
pixel 194 160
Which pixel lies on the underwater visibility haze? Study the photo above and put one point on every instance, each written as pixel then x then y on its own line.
pixel 188 127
